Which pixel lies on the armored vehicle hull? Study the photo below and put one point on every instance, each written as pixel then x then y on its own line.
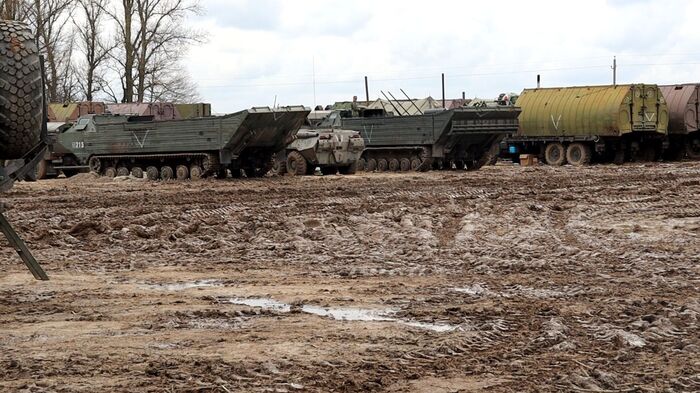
pixel 331 150
pixel 181 149
pixel 684 123
pixel 579 124
pixel 457 138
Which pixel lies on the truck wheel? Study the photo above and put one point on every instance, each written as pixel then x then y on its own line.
pixel 166 173
pixel 152 173
pixel 182 172
pixel 123 171
pixel 555 154
pixel 137 172
pixel 394 165
pixel 111 172
pixel 692 147
pixel 371 165
pixel 578 154
pixel 21 91
pixel 296 164
pixel 348 170
pixel 382 165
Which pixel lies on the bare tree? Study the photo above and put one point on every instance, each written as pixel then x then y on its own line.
pixel 94 46
pixel 13 9
pixel 49 19
pixel 148 32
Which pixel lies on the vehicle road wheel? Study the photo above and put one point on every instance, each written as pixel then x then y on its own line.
pixel 415 164
pixel 348 170
pixel 394 165
pixel 137 172
pixel 361 165
pixel 111 172
pixel 123 171
pixel 555 154
pixel 95 164
pixel 182 172
pixel 296 164
pixel 382 165
pixel 21 100
pixel 405 165
pixel 196 172
pixel 152 173
pixel 692 147
pixel 578 154
pixel 166 173
pixel 371 165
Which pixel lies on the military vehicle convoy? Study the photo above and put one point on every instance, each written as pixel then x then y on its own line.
pixel 22 120
pixel 684 122
pixel 331 150
pixel 578 125
pixel 438 139
pixel 114 145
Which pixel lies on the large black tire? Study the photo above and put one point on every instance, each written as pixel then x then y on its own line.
pixel 579 154
pixel 692 146
pixel 555 154
pixel 21 91
pixel 296 164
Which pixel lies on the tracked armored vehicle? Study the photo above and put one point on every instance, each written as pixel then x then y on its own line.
pixel 459 138
pixel 331 150
pixel 180 149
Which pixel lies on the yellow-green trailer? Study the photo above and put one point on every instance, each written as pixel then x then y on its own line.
pixel 578 124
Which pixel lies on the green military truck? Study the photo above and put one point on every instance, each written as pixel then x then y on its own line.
pixel 114 145
pixel 578 125
pixel 331 150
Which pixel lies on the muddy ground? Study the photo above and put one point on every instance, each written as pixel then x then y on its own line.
pixel 507 279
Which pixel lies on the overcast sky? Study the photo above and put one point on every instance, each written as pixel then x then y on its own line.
pixel 260 51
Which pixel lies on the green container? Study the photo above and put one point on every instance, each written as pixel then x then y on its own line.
pixel 606 111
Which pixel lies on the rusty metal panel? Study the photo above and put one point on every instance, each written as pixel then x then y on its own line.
pixel 191 111
pixel 592 110
pixel 159 110
pixel 683 107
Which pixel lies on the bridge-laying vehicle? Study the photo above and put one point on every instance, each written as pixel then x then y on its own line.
pixel 116 145
pixel 461 138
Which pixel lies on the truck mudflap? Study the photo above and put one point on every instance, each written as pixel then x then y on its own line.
pixel 268 129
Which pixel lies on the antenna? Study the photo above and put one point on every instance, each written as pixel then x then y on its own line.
pixel 412 102
pixel 614 68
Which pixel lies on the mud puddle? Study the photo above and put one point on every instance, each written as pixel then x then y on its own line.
pixel 181 286
pixel 343 314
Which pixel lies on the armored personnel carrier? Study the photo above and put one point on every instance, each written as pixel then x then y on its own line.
pixel 114 145
pixel 459 138
pixel 331 150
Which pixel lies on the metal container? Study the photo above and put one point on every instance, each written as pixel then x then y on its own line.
pixel 69 113
pixel 159 110
pixel 683 107
pixel 593 110
pixel 192 111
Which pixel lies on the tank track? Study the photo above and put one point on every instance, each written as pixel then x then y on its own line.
pixel 209 162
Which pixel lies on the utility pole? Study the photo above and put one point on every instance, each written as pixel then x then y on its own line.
pixel 443 90
pixel 367 90
pixel 614 68
pixel 314 78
